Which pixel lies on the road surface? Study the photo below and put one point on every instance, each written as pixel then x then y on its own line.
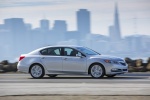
pixel 23 84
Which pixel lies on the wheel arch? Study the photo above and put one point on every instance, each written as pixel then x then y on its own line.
pixel 35 64
pixel 96 63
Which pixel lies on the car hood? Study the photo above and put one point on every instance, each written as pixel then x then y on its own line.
pixel 107 57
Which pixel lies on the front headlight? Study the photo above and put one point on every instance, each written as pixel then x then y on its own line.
pixel 110 61
pixel 107 61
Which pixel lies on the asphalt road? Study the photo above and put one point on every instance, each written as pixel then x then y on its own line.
pixel 127 84
pixel 136 78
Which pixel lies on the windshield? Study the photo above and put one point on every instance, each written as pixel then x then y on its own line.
pixel 87 51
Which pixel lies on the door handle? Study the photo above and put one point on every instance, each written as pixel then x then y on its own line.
pixel 42 57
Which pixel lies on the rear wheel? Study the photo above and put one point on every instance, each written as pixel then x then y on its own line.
pixel 52 75
pixel 97 71
pixel 37 71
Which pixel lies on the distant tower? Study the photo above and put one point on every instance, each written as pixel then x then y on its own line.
pixel 117 33
pixel 83 22
pixel 44 24
pixel 114 30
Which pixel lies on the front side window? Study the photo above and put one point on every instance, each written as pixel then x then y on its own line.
pixel 87 51
pixel 51 51
pixel 71 52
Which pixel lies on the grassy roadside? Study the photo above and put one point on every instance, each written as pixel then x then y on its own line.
pixel 74 97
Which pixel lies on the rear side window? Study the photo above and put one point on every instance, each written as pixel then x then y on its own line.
pixel 44 52
pixel 51 51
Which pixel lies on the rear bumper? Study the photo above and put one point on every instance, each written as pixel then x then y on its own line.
pixel 22 68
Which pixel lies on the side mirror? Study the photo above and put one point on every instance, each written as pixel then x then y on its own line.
pixel 79 55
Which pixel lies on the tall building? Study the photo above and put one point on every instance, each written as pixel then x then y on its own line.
pixel 83 22
pixel 114 30
pixel 17 36
pixel 44 24
pixel 59 30
pixel 15 25
pixel 117 24
pixel 60 26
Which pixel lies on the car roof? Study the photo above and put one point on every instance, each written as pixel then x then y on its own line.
pixel 37 50
pixel 73 46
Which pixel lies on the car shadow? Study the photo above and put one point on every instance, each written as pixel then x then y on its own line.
pixel 126 77
pixel 113 78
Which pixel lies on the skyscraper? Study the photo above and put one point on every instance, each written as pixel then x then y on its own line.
pixel 15 25
pixel 114 30
pixel 44 24
pixel 117 24
pixel 59 30
pixel 60 26
pixel 83 22
pixel 17 28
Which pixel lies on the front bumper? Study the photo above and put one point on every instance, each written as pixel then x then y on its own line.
pixel 112 69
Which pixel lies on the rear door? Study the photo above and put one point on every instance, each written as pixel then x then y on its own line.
pixel 52 59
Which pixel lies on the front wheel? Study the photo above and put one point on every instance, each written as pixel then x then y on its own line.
pixel 37 71
pixel 97 71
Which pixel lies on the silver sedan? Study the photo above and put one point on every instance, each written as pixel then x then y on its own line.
pixel 60 60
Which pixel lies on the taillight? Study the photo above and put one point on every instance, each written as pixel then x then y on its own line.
pixel 21 57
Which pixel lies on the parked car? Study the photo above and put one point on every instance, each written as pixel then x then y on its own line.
pixel 59 60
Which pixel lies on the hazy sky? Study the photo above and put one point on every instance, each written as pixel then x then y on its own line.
pixel 102 13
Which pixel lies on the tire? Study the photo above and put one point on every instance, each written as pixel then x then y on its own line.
pixel 110 75
pixel 52 75
pixel 97 71
pixel 37 71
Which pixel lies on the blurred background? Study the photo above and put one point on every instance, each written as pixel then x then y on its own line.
pixel 111 27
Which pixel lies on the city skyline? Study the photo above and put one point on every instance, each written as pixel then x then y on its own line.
pixel 134 14
pixel 20 34
pixel 16 33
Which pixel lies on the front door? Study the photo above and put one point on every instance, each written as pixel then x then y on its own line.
pixel 73 63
